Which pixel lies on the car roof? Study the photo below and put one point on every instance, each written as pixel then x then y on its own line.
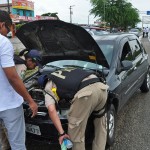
pixel 114 37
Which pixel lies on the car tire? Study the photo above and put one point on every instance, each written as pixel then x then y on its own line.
pixel 111 125
pixel 146 85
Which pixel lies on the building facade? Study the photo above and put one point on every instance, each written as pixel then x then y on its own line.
pixel 18 7
pixel 21 10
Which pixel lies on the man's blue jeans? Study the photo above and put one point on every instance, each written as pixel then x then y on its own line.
pixel 13 120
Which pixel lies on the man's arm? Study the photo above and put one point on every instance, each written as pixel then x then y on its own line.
pixel 50 104
pixel 19 87
pixel 55 119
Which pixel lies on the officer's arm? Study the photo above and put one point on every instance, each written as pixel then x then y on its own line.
pixel 54 117
pixel 50 104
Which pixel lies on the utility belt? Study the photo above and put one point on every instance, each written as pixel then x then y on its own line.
pixel 99 113
pixel 88 82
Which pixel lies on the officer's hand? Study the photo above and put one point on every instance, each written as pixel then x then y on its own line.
pixel 61 138
pixel 34 108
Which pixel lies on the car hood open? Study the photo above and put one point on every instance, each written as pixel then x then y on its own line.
pixel 58 40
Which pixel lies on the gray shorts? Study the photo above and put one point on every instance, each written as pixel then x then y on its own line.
pixel 13 120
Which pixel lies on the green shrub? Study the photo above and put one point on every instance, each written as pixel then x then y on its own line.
pixel 19 25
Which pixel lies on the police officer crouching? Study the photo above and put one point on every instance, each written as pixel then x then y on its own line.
pixel 87 94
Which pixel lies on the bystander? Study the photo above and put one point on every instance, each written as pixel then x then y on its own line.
pixel 12 90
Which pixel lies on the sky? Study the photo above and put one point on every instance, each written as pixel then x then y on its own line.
pixel 80 8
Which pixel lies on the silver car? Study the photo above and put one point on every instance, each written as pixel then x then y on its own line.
pixel 135 31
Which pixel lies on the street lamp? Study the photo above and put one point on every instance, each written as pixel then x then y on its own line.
pixel 88 20
pixel 71 12
pixel 104 13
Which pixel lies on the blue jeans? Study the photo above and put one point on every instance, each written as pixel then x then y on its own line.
pixel 14 122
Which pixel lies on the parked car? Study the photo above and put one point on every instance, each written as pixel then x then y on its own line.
pixel 135 31
pixel 120 59
pixel 97 33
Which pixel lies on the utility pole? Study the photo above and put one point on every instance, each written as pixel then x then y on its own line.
pixel 8 6
pixel 88 20
pixel 71 13
pixel 104 14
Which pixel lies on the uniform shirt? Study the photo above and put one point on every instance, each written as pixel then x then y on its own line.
pixel 9 98
pixel 28 73
pixel 48 88
pixel 21 69
pixel 23 72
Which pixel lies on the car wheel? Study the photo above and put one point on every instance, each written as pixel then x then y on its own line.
pixel 146 85
pixel 111 125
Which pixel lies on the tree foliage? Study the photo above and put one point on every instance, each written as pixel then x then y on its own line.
pixel 51 15
pixel 118 13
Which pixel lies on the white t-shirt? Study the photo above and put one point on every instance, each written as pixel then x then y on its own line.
pixel 9 98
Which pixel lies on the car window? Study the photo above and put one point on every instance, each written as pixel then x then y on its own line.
pixel 126 52
pixel 107 48
pixel 135 48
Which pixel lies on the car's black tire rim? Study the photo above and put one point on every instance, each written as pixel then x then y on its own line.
pixel 111 124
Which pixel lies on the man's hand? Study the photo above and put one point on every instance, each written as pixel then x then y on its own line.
pixel 34 108
pixel 61 138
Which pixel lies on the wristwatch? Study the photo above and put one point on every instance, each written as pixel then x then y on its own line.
pixel 61 134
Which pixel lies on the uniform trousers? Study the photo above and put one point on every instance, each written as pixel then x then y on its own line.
pixel 91 98
pixel 13 120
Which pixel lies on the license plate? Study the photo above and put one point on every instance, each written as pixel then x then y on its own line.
pixel 33 129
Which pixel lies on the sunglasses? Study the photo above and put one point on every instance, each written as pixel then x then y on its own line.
pixel 7 27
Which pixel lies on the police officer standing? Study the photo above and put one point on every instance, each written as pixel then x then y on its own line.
pixel 88 94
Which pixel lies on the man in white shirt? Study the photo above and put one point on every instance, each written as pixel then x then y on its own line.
pixel 26 64
pixel 12 90
pixel 147 31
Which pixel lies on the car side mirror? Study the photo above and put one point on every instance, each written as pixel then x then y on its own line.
pixel 126 65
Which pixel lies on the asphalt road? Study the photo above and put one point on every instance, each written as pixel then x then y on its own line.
pixel 133 123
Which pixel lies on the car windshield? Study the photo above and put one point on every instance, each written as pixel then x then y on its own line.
pixel 73 63
pixel 107 48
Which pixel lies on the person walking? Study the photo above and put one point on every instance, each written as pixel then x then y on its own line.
pixel 147 31
pixel 12 90
pixel 88 95
pixel 144 32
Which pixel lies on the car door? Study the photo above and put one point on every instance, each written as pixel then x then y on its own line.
pixel 139 61
pixel 127 77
